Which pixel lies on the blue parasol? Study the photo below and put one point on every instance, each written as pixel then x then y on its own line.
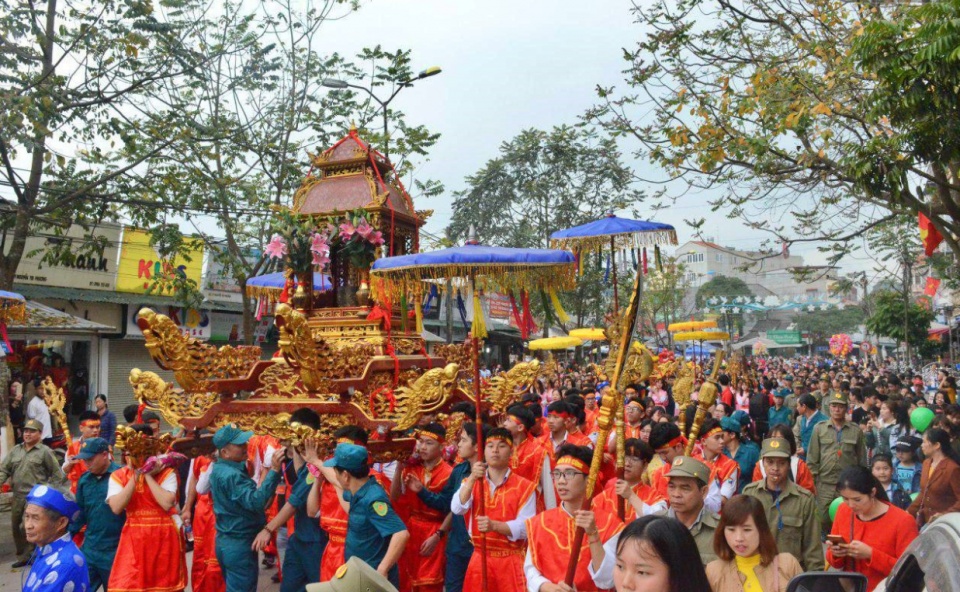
pixel 270 285
pixel 494 268
pixel 624 232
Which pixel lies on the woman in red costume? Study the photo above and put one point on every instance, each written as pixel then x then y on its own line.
pixel 151 554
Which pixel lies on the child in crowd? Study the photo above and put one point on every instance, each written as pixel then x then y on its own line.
pixel 906 468
pixel 882 468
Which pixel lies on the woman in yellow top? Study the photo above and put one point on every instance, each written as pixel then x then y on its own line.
pixel 748 559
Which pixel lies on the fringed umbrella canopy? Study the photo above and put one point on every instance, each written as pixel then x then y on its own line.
pixel 501 269
pixel 691 326
pixel 13 307
pixel 270 285
pixel 626 234
pixel 701 336
pixel 553 343
pixel 589 334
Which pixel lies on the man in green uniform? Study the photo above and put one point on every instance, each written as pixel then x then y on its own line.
pixel 301 562
pixel 834 446
pixel 791 510
pixel 375 533
pixel 687 488
pixel 102 536
pixel 352 576
pixel 239 506
pixel 789 396
pixel 28 464
pixel 823 391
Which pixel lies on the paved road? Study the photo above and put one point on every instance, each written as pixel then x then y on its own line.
pixel 10 578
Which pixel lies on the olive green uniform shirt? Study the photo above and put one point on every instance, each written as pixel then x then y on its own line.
pixel 702 531
pixel 831 451
pixel 792 517
pixel 26 468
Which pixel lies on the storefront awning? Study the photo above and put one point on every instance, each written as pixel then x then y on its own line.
pixel 43 319
pixel 45 292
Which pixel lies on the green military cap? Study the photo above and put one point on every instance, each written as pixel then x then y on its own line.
pixel 775 448
pixel 354 576
pixel 34 425
pixel 825 378
pixel 788 378
pixel 838 398
pixel 685 466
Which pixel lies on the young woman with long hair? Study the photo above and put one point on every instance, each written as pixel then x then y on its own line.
pixel 658 554
pixel 747 556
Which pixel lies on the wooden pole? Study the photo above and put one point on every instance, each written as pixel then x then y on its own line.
pixel 481 502
pixel 613 268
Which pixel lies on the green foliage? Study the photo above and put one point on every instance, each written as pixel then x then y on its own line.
pixel 890 319
pixel 541 182
pixel 663 295
pixel 722 286
pixel 544 181
pixel 808 119
pixel 823 324
pixel 75 112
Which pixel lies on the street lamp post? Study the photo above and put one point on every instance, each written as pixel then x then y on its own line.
pixel 335 83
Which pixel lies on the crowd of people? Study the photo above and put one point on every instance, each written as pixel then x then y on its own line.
pixel 801 464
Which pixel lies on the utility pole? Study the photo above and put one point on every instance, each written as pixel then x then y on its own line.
pixel 907 282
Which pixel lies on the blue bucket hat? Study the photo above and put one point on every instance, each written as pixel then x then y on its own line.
pixel 230 434
pixel 349 457
pixel 92 447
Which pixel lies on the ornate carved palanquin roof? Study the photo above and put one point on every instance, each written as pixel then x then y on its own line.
pixel 353 175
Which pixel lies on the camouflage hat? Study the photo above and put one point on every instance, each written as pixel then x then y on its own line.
pixel 353 576
pixel 33 425
pixel 838 398
pixel 775 448
pixel 685 466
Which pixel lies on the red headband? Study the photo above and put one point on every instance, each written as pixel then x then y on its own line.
pixel 716 430
pixel 675 442
pixel 430 435
pixel 502 439
pixel 573 462
pixel 562 414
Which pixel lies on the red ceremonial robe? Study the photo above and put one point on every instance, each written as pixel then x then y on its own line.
pixel 504 557
pixel 151 553
pixel 607 501
pixel 79 467
pixel 527 462
pixel 205 574
pixel 417 572
pixel 550 538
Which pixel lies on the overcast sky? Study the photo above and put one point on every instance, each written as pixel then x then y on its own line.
pixel 508 66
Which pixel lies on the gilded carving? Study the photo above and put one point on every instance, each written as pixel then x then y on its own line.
pixel 191 360
pixel 156 393
pixel 506 389
pixel 426 394
pixel 308 183
pixel 56 401
pixel 407 346
pixel 139 447
pixel 299 346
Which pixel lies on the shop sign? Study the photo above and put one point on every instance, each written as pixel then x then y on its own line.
pixel 74 269
pixel 141 264
pixel 192 322
pixel 218 285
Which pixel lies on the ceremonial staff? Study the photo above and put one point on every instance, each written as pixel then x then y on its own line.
pixel 609 407
pixel 706 398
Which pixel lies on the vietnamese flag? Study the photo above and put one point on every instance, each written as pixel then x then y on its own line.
pixel 929 236
pixel 930 289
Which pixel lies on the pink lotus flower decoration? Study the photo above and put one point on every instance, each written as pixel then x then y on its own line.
pixel 319 246
pixel 364 229
pixel 347 230
pixel 375 238
pixel 277 248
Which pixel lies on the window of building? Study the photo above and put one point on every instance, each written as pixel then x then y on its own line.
pixel 719 258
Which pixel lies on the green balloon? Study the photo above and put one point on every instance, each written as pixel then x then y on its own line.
pixel 921 418
pixel 833 507
pixel 914 495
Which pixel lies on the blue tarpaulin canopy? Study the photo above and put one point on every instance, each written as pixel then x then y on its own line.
pixel 704 349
